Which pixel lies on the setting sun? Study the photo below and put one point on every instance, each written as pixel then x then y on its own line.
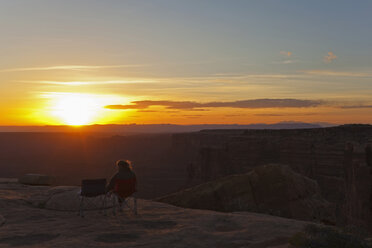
pixel 78 109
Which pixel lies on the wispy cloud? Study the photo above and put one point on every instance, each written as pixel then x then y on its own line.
pixel 356 107
pixel 338 73
pixel 329 57
pixel 80 83
pixel 284 114
pixel 286 62
pixel 286 53
pixel 196 106
pixel 147 111
pixel 72 67
pixel 192 116
pixel 165 80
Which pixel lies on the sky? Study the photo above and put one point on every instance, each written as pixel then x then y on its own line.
pixel 82 62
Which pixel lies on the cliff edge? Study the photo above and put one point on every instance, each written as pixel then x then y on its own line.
pixel 29 222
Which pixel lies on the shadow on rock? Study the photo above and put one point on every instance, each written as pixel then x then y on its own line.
pixel 28 239
pixel 117 237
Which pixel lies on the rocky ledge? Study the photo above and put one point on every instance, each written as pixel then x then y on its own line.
pixel 43 216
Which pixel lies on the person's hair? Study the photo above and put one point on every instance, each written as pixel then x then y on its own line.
pixel 124 164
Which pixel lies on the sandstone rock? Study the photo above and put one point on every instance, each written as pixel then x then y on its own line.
pixel 272 189
pixel 157 225
pixel 2 220
pixel 36 179
pixel 67 198
pixel 8 180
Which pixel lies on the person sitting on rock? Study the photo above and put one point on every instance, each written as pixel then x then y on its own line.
pixel 124 182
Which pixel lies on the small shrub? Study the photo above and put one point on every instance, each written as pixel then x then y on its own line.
pixel 315 236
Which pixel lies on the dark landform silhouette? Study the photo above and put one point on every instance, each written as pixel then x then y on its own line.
pixel 160 128
pixel 338 159
pixel 314 174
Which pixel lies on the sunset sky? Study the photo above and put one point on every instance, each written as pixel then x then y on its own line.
pixel 185 62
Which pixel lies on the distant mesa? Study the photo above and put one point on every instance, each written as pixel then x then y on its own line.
pixel 271 189
pixel 161 128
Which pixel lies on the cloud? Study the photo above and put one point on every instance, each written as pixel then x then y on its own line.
pixel 90 82
pixel 329 57
pixel 196 106
pixel 337 73
pixel 286 53
pixel 285 114
pixel 192 116
pixel 71 67
pixel 356 106
pixel 286 62
pixel 147 111
pixel 269 115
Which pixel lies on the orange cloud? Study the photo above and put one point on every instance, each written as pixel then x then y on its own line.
pixel 357 107
pixel 286 53
pixel 250 104
pixel 329 57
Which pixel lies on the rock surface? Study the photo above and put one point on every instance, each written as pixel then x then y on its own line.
pixel 157 225
pixel 2 220
pixel 8 180
pixel 271 189
pixel 67 198
pixel 36 179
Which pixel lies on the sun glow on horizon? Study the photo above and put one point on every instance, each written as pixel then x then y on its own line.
pixel 77 109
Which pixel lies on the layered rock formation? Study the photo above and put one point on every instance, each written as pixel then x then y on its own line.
pixel 270 189
pixel 344 178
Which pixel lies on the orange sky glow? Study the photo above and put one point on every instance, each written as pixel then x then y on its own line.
pixel 69 63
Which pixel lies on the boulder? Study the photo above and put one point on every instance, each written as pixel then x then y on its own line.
pixel 272 189
pixel 36 179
